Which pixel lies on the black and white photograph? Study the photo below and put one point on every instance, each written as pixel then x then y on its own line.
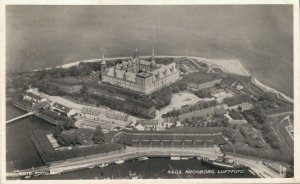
pixel 149 91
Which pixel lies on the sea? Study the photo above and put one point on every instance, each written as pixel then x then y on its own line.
pixel 259 36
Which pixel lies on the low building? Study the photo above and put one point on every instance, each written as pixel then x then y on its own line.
pixel 148 124
pixel 242 106
pixel 104 115
pixel 198 86
pixel 116 115
pixel 237 122
pixel 139 127
pixel 167 124
pixel 31 97
pixel 92 113
pixel 219 110
pixel 238 85
pixel 218 93
pixel 63 109
pixel 245 106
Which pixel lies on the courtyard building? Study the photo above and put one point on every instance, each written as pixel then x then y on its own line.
pixel 140 75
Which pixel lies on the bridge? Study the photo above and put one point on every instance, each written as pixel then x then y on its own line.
pixel 19 117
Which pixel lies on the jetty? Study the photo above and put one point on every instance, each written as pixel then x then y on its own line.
pixel 19 117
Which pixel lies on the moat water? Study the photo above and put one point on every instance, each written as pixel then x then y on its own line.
pixel 21 154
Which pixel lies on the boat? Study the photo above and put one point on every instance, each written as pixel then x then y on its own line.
pixel 103 165
pixel 120 162
pixel 222 162
pixel 175 158
pixel 133 175
pixel 91 167
pixel 142 158
pixel 28 176
pixel 185 158
pixel 199 158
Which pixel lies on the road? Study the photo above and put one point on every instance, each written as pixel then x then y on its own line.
pixel 128 153
pixel 280 114
pixel 282 134
pixel 135 152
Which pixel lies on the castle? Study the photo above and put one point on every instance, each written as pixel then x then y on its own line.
pixel 140 75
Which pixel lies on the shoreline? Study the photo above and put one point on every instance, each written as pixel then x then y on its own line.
pixel 211 62
pixel 132 153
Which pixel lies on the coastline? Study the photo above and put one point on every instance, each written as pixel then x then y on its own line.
pixel 220 63
pixel 132 153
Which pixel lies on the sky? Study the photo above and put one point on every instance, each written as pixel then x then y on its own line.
pixel 260 36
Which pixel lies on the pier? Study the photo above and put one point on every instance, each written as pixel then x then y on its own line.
pixel 19 117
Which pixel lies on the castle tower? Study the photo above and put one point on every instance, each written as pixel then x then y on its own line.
pixel 152 59
pixel 136 53
pixel 103 64
pixel 186 53
pixel 103 68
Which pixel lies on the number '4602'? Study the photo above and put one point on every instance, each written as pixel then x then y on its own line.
pixel 174 171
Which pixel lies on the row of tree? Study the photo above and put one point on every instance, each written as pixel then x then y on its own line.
pixel 65 138
pixel 198 106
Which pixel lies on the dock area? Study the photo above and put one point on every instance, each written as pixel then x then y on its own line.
pixel 131 153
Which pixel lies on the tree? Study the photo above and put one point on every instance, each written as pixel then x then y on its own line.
pixel 68 123
pixel 67 139
pixel 203 93
pixel 84 89
pixel 57 131
pixel 98 136
pixel 289 172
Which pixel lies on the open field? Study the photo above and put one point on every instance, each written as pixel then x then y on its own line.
pixel 180 99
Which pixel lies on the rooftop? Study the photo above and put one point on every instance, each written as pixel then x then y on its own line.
pixel 32 95
pixel 145 122
pixel 61 107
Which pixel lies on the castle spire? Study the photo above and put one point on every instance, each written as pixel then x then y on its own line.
pixel 152 55
pixel 136 54
pixel 103 59
pixel 186 53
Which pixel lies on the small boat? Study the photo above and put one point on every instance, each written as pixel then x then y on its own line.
pixel 91 167
pixel 175 158
pixel 28 176
pixel 103 165
pixel 120 162
pixel 222 162
pixel 142 158
pixel 199 158
pixel 185 158
pixel 133 175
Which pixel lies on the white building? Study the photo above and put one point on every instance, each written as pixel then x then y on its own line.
pixel 31 97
